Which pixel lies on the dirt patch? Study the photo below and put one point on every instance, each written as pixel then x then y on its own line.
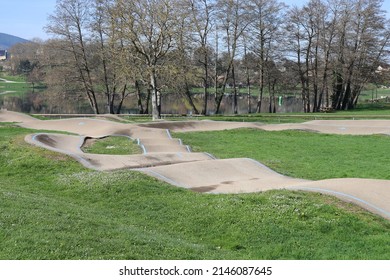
pixel 204 189
pixel 47 140
pixel 227 183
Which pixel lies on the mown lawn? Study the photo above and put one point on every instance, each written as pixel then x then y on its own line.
pixel 112 145
pixel 300 154
pixel 53 208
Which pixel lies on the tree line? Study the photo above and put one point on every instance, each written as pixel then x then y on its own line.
pixel 326 49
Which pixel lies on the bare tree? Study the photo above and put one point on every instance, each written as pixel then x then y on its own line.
pixel 117 48
pixel 302 35
pixel 249 63
pixel 70 23
pixel 107 48
pixel 265 31
pixel 233 21
pixel 201 19
pixel 183 73
pixel 327 18
pixel 343 38
pixel 149 26
pixel 363 38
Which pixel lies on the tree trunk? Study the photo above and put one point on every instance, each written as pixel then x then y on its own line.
pixel 249 93
pixel 156 114
pixel 261 87
pixel 123 96
pixel 139 97
pixel 347 95
pixel 189 98
pixel 219 95
pixel 206 84
pixel 112 101
pixel 205 101
pixel 259 101
pixel 235 105
pixel 147 105
pixel 218 100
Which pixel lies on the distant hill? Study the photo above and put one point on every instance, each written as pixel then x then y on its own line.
pixel 7 41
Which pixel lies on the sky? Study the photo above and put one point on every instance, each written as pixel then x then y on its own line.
pixel 27 18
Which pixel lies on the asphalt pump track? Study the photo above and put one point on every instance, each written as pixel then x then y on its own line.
pixel 169 160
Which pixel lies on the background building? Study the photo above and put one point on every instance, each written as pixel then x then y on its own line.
pixel 3 55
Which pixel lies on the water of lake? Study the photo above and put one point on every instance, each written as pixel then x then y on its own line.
pixel 44 102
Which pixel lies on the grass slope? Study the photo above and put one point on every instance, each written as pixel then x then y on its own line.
pixel 53 208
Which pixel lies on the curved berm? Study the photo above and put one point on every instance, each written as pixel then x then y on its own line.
pixel 71 145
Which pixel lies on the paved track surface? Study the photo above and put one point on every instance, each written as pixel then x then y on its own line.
pixel 168 159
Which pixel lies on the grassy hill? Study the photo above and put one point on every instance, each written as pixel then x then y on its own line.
pixel 7 41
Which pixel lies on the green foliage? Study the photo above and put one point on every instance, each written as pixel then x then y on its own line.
pixel 368 109
pixel 53 208
pixel 25 67
pixel 374 93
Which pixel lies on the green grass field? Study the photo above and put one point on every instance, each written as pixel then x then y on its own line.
pixel 114 145
pixel 53 208
pixel 300 154
pixel 18 87
pixel 19 79
pixel 374 93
